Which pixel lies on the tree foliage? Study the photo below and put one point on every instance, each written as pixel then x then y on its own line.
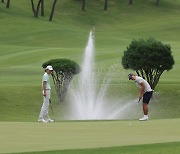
pixel 64 70
pixel 149 58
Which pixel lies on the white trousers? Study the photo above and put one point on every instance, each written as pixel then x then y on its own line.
pixel 45 107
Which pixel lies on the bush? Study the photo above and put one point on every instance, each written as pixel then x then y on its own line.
pixel 64 70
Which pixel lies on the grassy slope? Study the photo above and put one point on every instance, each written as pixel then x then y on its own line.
pixel 33 136
pixel 26 42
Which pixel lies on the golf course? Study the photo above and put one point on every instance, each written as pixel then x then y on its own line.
pixel 26 42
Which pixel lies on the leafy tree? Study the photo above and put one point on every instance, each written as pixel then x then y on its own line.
pixel 149 58
pixel 64 70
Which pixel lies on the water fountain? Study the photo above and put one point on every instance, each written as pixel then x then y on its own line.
pixel 87 101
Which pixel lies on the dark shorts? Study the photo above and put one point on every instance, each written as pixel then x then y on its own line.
pixel 147 96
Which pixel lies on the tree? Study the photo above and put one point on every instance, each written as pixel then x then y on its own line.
pixel 149 58
pixel 105 4
pixel 2 1
pixel 36 11
pixel 157 2
pixel 8 4
pixel 83 4
pixel 42 8
pixel 64 70
pixel 40 5
pixel 52 10
pixel 130 1
pixel 33 9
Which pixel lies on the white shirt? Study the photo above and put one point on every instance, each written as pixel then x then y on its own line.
pixel 138 82
pixel 46 78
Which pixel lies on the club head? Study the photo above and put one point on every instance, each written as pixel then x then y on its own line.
pixel 139 100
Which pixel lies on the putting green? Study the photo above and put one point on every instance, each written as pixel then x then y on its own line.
pixel 34 136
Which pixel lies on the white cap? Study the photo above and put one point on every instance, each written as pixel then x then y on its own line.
pixel 49 67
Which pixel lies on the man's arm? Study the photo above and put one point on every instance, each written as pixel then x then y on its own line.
pixel 141 92
pixel 44 88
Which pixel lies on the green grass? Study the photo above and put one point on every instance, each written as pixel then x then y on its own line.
pixel 26 43
pixel 159 148
pixel 33 136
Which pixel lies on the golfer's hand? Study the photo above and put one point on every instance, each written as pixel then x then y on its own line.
pixel 44 94
pixel 140 96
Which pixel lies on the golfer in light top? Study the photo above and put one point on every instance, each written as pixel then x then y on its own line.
pixel 43 116
pixel 145 91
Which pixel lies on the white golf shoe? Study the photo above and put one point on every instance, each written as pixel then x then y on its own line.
pixel 50 120
pixel 144 118
pixel 42 120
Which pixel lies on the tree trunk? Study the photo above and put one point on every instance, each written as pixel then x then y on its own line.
pixel 33 9
pixel 105 4
pixel 2 1
pixel 83 4
pixel 52 10
pixel 64 88
pixel 130 2
pixel 37 10
pixel 151 76
pixel 8 4
pixel 42 8
pixel 157 2
pixel 61 82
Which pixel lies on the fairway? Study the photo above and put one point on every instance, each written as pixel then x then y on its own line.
pixel 30 136
pixel 27 42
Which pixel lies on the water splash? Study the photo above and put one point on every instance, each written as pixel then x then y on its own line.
pixel 87 101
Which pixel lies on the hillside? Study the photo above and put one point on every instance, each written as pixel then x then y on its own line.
pixel 27 42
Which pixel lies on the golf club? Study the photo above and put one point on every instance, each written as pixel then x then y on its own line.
pixel 139 100
pixel 51 109
pixel 135 111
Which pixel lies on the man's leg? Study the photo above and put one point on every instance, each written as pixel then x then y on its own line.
pixel 46 107
pixel 146 98
pixel 42 112
pixel 145 108
pixel 46 111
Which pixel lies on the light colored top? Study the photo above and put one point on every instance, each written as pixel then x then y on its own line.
pixel 138 82
pixel 46 78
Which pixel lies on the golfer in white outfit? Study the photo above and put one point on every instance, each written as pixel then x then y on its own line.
pixel 145 92
pixel 43 116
